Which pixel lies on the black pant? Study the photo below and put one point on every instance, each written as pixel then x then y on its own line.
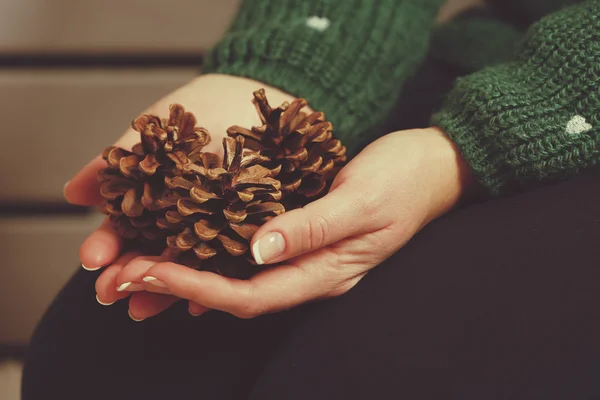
pixel 495 301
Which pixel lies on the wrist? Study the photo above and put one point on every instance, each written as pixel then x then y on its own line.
pixel 218 102
pixel 452 179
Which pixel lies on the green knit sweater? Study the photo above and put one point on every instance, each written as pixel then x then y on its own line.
pixel 533 119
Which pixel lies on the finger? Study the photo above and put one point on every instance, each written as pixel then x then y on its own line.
pixel 144 305
pixel 270 291
pixel 106 284
pixel 84 189
pixel 130 278
pixel 101 248
pixel 318 224
pixel 196 309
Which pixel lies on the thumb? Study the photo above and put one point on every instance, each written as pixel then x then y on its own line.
pixel 338 215
pixel 84 189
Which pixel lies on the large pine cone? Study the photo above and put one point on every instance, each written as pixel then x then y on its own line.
pixel 133 182
pixel 203 209
pixel 219 206
pixel 299 148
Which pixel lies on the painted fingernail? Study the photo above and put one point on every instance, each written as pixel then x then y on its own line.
pixel 130 287
pixel 103 303
pixel 90 269
pixel 65 189
pixel 196 310
pixel 134 318
pixel 155 282
pixel 268 247
pixel 123 286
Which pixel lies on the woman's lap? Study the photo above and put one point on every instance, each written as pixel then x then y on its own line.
pixel 82 350
pixel 498 300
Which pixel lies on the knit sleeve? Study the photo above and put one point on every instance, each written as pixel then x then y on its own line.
pixel 348 58
pixel 536 119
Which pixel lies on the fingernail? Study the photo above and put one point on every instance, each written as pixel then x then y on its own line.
pixel 134 318
pixel 194 314
pixel 268 247
pixel 130 287
pixel 101 302
pixel 90 269
pixel 65 189
pixel 155 282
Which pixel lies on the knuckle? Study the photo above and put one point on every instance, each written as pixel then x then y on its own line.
pixel 136 259
pixel 316 233
pixel 369 204
pixel 344 287
pixel 246 311
pixel 245 314
pixel 247 307
pixel 341 178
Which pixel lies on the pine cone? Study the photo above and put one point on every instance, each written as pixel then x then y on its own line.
pixel 219 206
pixel 204 209
pixel 133 182
pixel 298 148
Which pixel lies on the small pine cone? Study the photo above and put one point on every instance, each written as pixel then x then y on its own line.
pixel 133 182
pixel 219 206
pixel 298 148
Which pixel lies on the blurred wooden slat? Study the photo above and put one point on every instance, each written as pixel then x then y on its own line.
pixel 39 255
pixel 54 122
pixel 125 26
pixel 112 26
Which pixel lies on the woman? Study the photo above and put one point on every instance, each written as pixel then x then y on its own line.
pixel 495 300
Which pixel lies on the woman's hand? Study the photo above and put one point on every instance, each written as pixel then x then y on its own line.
pixel 218 101
pixel 376 204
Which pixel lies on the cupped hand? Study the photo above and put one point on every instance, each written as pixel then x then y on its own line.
pixel 218 101
pixel 376 204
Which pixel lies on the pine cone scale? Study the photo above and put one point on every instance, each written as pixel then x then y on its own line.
pixel 188 207
pixel 186 240
pixel 246 133
pixel 202 196
pixel 233 247
pixel 203 251
pixel 244 230
pixel 149 165
pixel 176 113
pixel 207 230
pixel 131 204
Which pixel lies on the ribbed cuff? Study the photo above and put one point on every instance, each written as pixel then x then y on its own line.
pixel 482 155
pixel 536 119
pixel 348 58
pixel 515 131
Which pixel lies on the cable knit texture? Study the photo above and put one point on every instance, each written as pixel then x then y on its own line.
pixel 348 58
pixel 536 119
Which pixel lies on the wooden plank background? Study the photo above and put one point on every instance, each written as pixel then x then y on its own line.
pixel 112 26
pixel 55 119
